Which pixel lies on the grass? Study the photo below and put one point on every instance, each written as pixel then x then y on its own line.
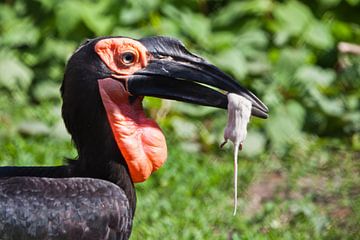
pixel 191 198
pixel 311 192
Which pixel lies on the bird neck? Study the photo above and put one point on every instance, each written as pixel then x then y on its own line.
pixel 99 157
pixel 86 120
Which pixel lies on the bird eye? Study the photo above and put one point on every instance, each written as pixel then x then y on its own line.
pixel 128 57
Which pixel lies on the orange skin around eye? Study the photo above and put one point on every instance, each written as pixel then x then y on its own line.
pixel 139 138
pixel 110 51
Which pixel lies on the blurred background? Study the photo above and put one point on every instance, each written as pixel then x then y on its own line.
pixel 299 173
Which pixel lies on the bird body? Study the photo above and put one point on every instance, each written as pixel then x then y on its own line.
pixel 104 83
pixel 66 208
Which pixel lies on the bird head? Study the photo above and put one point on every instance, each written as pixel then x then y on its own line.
pixel 107 78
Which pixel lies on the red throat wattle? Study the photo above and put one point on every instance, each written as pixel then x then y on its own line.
pixel 139 138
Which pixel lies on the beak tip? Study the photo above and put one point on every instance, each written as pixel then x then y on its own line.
pixel 264 116
pixel 260 113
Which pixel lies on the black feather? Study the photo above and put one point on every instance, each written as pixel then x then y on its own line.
pixel 51 172
pixel 68 208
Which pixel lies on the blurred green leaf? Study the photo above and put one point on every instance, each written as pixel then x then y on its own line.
pixel 67 24
pixel 46 91
pixel 332 107
pixel 33 128
pixel 131 16
pixel 315 76
pixel 287 61
pixel 330 3
pixel 57 49
pixel 233 61
pixel 59 131
pixel 16 30
pixel 184 129
pixel 356 142
pixel 254 144
pixel 353 122
pixel 14 74
pixel 353 2
pixel 318 35
pixel 285 124
pixel 341 30
pixel 237 9
pixel 95 19
pixel 193 110
pixel 196 26
pixel 292 17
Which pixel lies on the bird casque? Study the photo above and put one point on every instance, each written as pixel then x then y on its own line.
pixel 104 84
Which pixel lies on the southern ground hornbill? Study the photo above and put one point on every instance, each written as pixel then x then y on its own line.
pixel 104 84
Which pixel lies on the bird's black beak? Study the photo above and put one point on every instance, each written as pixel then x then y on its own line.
pixel 175 73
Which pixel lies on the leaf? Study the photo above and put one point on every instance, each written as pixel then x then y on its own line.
pixel 137 11
pixel 233 11
pixel 353 2
pixel 132 15
pixel 297 113
pixel 288 60
pixel 168 27
pixel 285 124
pixel 318 35
pixel 184 129
pixel 233 61
pixel 332 107
pixel 221 40
pixel 253 37
pixel 193 110
pixel 197 26
pixel 330 3
pixel 251 43
pixel 353 122
pixel 291 58
pixel 46 91
pixel 68 16
pixel 57 49
pixel 14 74
pixel 94 17
pixel 15 30
pixel 341 30
pixel 311 75
pixel 123 31
pixel 356 141
pixel 190 147
pixel 48 4
pixel 152 102
pixel 59 131
pixel 33 128
pixel 254 143
pixel 292 17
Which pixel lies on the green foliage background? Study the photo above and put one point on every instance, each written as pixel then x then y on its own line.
pixel 299 171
